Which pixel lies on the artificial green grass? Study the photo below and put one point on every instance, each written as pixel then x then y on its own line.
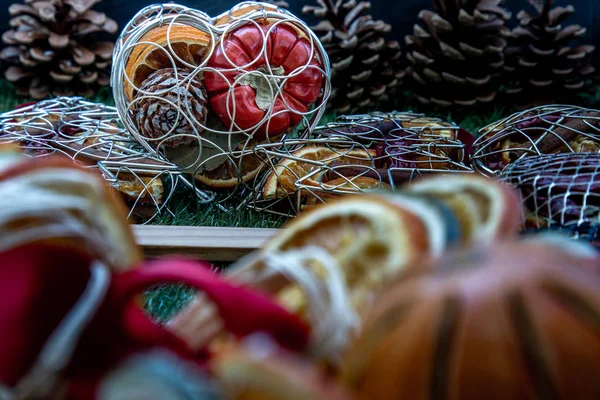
pixel 165 301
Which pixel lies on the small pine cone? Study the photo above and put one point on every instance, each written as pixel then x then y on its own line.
pixel 155 117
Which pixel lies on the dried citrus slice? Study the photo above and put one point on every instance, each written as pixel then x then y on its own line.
pixel 231 172
pixel 282 180
pixel 368 236
pixel 52 200
pixel 487 208
pixel 185 42
pixel 335 257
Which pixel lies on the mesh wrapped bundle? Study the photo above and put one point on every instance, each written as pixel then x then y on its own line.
pixel 92 135
pixel 559 191
pixel 542 130
pixel 202 91
pixel 362 153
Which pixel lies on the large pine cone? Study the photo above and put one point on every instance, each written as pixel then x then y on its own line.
pixel 366 69
pixel 456 52
pixel 156 117
pixel 54 47
pixel 542 64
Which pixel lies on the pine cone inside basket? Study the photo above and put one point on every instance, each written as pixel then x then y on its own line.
pixel 162 103
pixel 55 47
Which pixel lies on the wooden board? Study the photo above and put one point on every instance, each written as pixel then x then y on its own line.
pixel 212 244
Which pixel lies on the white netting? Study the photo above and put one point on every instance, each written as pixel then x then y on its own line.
pixel 203 92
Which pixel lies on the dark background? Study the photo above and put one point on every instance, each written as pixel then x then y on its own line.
pixel 401 14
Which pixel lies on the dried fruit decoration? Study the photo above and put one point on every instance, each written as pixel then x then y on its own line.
pixel 538 131
pixel 404 144
pixel 269 103
pixel 560 190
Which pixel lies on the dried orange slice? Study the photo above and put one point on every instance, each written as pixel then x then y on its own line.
pixel 186 42
pixel 53 200
pixel 486 208
pixel 368 236
pixel 231 172
pixel 282 180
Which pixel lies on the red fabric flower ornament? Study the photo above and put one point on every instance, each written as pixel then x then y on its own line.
pixel 242 89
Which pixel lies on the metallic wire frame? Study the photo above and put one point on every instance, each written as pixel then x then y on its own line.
pixel 515 127
pixel 559 190
pixel 341 137
pixel 91 135
pixel 214 146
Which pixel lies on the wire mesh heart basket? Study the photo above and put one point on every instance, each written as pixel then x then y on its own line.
pixel 203 92
pixel 538 131
pixel 355 154
pixel 92 135
pixel 559 191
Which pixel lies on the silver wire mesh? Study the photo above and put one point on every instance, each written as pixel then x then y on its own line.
pixel 93 136
pixel 542 130
pixel 359 153
pixel 220 156
pixel 559 190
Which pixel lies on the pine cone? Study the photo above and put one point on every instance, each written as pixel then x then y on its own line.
pixel 156 117
pixel 53 47
pixel 366 70
pixel 542 65
pixel 456 53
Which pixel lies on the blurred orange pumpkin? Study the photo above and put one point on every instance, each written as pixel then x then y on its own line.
pixel 506 321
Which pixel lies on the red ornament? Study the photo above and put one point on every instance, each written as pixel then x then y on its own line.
pixel 239 91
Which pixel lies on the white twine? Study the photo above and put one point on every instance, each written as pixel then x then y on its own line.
pixel 53 203
pixel 330 311
pixel 60 346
